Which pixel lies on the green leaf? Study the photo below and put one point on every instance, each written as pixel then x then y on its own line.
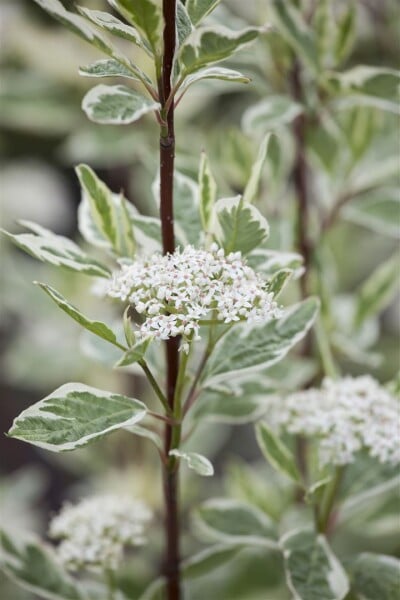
pixel 110 23
pixel 240 226
pixel 76 24
pixel 371 86
pixel 198 463
pixel 293 28
pixel 235 522
pixel 142 431
pixel 269 262
pixel 345 34
pixel 56 250
pixel 375 576
pixel 134 354
pixel 378 211
pixel 31 565
pixel 312 570
pixel 116 105
pixel 97 327
pixel 251 347
pixel 207 560
pixel 376 293
pixel 198 9
pixel 146 15
pixel 277 454
pixel 184 25
pixel 270 113
pixel 234 401
pixel 253 184
pixel 109 215
pixel 75 415
pixel 107 67
pixel 212 44
pixel 278 281
pixel 207 191
pixel 213 73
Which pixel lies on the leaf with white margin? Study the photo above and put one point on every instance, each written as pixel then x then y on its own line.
pixel 377 211
pixel 75 415
pixel 142 431
pixel 107 67
pixel 214 73
pixel 277 454
pixel 146 16
pixel 235 522
pixel 31 565
pixel 110 216
pixel 375 576
pixel 205 561
pixel 240 226
pixel 184 25
pixel 198 9
pixel 296 32
pixel 312 570
pixel 56 250
pixel 378 290
pixel 110 23
pixel 198 463
pixel 75 23
pixel 270 262
pixel 212 44
pixel 207 191
pixel 278 281
pixel 234 401
pixel 116 105
pixel 97 327
pixel 253 184
pixel 250 347
pixel 270 113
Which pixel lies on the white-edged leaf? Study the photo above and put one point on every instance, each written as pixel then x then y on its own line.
pixel 253 184
pixel 209 559
pixel 239 226
pixel 184 25
pixel 106 67
pixel 375 576
pixel 56 250
pixel 32 566
pixel 207 191
pixel 234 401
pixel 270 262
pixel 208 45
pixel 252 347
pixel 270 113
pixel 214 73
pixel 235 522
pixel 378 290
pixel 134 354
pixel 197 462
pixel 97 327
pixel 296 32
pixel 198 9
pixel 110 23
pixel 74 415
pixel 146 16
pixel 109 214
pixel 312 570
pixel 142 431
pixel 277 454
pixel 378 211
pixel 278 281
pixel 116 105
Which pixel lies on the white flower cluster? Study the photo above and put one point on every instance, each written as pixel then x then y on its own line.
pixel 176 292
pixel 346 416
pixel 95 532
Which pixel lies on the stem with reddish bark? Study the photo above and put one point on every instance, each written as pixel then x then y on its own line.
pixel 172 431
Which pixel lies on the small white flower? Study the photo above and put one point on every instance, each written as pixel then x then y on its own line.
pixel 95 532
pixel 176 291
pixel 345 416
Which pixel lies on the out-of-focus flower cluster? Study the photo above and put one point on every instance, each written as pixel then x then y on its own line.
pixel 95 532
pixel 346 416
pixel 176 292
